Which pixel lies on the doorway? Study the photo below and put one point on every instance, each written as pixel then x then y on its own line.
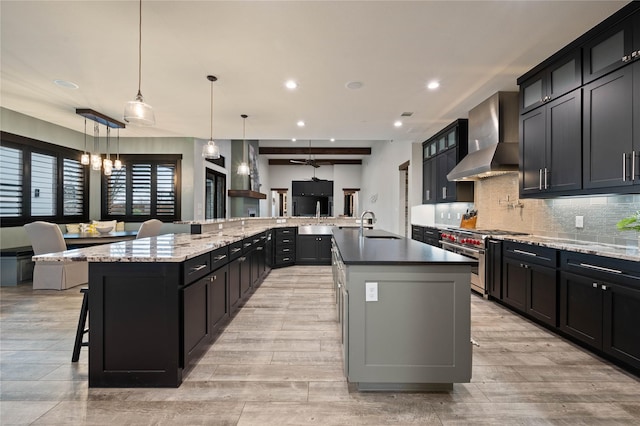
pixel 215 195
pixel 279 202
pixel 403 202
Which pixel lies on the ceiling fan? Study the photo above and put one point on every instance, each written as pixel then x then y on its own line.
pixel 309 161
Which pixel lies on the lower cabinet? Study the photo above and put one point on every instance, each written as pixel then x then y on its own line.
pixel 600 304
pixel 313 250
pixel 219 284
pixel 196 300
pixel 530 281
pixel 493 269
pixel 235 268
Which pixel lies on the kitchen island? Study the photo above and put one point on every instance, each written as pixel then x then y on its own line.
pixel 404 309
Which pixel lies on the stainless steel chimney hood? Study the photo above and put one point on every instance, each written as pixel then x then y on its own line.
pixel 493 139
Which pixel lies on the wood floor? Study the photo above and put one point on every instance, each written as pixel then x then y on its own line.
pixel 278 362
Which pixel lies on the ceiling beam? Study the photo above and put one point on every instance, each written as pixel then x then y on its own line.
pixel 266 150
pixel 321 162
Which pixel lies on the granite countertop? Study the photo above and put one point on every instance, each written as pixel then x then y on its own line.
pixel 357 250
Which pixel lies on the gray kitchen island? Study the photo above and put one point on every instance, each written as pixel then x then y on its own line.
pixel 404 311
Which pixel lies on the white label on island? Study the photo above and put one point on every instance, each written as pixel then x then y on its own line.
pixel 371 292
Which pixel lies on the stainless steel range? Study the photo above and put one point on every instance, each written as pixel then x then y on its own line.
pixel 472 243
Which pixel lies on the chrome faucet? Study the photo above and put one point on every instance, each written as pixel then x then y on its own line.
pixel 364 213
pixel 318 211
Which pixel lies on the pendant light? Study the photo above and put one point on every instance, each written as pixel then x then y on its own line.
pixel 137 111
pixel 243 168
pixel 117 164
pixel 107 164
pixel 85 159
pixel 211 151
pixel 96 161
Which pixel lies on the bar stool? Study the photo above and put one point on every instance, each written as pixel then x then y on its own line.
pixel 82 321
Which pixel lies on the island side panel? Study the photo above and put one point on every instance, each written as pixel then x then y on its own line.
pixel 134 325
pixel 418 331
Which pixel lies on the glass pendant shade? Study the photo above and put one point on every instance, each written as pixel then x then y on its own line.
pixel 85 159
pixel 96 162
pixel 117 164
pixel 107 165
pixel 139 113
pixel 243 169
pixel 211 151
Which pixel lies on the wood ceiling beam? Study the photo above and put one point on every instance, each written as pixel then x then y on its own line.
pixel 321 162
pixel 266 150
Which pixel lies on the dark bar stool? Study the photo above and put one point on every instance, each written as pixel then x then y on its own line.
pixel 82 321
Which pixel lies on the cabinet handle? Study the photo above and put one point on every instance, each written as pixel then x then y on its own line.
pixel 222 256
pixel 235 250
pixel 213 278
pixel 428 194
pixel 284 259
pixel 624 166
pixel 604 287
pixel 285 232
pixel 600 268
pixel 525 252
pixel 633 165
pixel 545 178
pixel 197 268
pixel 444 192
pixel 242 259
pixel 258 248
pixel 627 58
pixel 594 285
pixel 247 244
pixel 285 241
pixel 285 250
pixel 540 179
pixel 256 240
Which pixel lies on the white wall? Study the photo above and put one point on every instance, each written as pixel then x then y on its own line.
pixel 198 178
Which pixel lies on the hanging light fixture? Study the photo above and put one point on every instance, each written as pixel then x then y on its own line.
pixel 243 168
pixel 117 164
pixel 211 151
pixel 85 159
pixel 107 164
pixel 137 111
pixel 96 161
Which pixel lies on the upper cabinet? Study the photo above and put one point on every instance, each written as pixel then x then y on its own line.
pixel 580 114
pixel 612 49
pixel 552 82
pixel 441 153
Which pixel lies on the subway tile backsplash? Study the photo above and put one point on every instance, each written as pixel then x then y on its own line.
pixel 499 207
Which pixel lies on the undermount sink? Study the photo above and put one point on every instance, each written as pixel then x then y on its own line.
pixel 375 233
pixel 315 230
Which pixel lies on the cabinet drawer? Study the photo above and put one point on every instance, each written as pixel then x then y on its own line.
pixel 196 268
pixel 544 256
pixel 601 268
pixel 286 241
pixel 286 250
pixel 283 259
pixel 432 233
pixel 219 257
pixel 247 244
pixel 235 250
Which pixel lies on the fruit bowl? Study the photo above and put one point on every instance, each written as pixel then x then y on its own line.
pixel 104 229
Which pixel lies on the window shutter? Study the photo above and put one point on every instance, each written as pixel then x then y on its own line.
pixel 11 173
pixel 117 192
pixel 141 189
pixel 73 183
pixel 166 193
pixel 43 184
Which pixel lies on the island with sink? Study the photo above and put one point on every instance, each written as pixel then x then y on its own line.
pixel 404 312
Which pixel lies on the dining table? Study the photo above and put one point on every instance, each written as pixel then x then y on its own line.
pixel 85 239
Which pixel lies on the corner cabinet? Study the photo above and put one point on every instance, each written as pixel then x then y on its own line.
pixel 441 153
pixel 600 304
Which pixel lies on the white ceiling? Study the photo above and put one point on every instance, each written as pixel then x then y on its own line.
pixel 393 47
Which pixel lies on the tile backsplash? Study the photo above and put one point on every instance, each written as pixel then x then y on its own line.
pixel 499 207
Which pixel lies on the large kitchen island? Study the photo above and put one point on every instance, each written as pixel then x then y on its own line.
pixel 404 309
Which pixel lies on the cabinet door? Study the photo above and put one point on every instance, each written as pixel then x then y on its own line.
pixel 635 167
pixel 324 249
pixel 563 169
pixel 234 282
pixel 493 269
pixel 565 75
pixel 532 150
pixel 429 181
pixel 446 191
pixel 542 294
pixel 514 285
pixel 608 130
pixel 581 308
pixel 219 303
pixel 533 92
pixel 306 249
pixel 245 274
pixel 196 326
pixel 605 53
pixel 621 322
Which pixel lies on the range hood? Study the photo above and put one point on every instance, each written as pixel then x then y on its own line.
pixel 493 139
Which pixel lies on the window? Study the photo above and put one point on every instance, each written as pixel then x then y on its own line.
pixel 146 187
pixel 215 195
pixel 41 181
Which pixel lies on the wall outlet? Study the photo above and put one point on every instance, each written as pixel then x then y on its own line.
pixel 579 221
pixel 448 215
pixel 458 215
pixel 371 292
pixel 441 215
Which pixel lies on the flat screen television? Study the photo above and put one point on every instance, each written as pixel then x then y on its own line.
pixel 306 206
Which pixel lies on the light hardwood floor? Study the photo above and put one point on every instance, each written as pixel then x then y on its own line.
pixel 278 362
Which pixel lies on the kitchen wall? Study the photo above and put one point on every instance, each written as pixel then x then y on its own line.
pixel 499 207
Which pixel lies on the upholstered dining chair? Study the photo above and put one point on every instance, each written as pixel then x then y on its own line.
pixel 47 238
pixel 149 228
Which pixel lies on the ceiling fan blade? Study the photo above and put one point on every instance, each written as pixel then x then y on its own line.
pixel 298 161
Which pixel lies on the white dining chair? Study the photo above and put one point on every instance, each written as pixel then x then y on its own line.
pixel 149 228
pixel 47 238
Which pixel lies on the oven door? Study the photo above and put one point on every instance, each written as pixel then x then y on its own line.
pixel 477 272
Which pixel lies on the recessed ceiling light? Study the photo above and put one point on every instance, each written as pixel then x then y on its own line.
pixel 293 139
pixel 397 123
pixel 291 84
pixel 354 85
pixel 66 84
pixel 433 85
pixel 300 123
pixel 332 139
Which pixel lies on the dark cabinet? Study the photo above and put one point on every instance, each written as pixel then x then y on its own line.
pixel 284 247
pixel 441 154
pixel 493 268
pixel 550 147
pixel 417 233
pixel 312 188
pixel 219 290
pixel 313 250
pixel 196 300
pixel 600 304
pixel 610 149
pixel 554 81
pixel 432 236
pixel 530 282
